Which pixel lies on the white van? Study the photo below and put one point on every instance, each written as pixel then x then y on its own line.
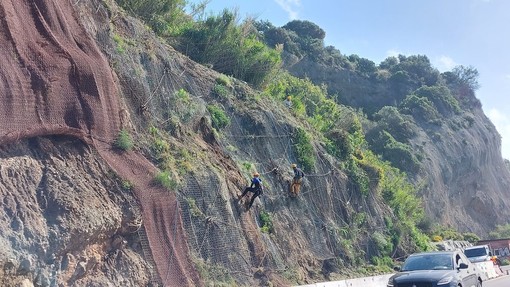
pixel 479 253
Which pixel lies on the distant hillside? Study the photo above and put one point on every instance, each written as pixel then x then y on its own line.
pixel 428 124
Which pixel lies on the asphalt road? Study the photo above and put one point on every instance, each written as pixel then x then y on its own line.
pixel 503 281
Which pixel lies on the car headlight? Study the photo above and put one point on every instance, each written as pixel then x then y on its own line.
pixel 390 283
pixel 445 280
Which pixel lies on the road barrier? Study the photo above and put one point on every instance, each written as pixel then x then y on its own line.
pixel 487 270
pixel 374 281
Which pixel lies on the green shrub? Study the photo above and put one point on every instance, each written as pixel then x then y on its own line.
pixel 501 231
pixel 153 131
pixel 183 95
pixel 383 264
pixel 229 48
pixel 165 17
pixel 382 242
pixel 181 109
pixel 358 176
pixel 401 155
pixel 372 171
pixel 347 249
pixel 127 185
pixel 341 145
pixel 164 179
pixel 160 145
pixel 266 222
pixel 420 108
pixel 221 91
pixel 223 80
pixel 471 237
pixel 400 126
pixel 218 117
pixel 304 149
pixel 121 44
pixel 124 141
pixel 247 166
pixel 407 209
pixel 442 98
pixel 448 233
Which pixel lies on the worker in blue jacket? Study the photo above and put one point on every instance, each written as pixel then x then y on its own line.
pixel 256 188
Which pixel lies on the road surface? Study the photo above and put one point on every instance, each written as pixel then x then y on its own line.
pixel 503 281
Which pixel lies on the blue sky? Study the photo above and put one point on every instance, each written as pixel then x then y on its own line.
pixel 449 32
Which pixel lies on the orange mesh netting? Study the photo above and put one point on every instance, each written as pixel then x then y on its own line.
pixel 54 80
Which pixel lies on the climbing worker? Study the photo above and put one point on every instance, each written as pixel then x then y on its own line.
pixel 256 188
pixel 288 102
pixel 296 180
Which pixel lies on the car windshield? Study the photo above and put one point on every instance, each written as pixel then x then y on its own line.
pixel 475 252
pixel 428 262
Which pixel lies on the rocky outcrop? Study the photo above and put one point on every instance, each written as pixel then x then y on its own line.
pixel 466 184
pixel 53 190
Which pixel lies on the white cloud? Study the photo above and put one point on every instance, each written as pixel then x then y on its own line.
pixel 445 63
pixel 291 7
pixel 502 123
pixel 392 53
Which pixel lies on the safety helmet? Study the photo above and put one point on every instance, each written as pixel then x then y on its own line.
pixel 289 97
pixel 256 174
pixel 293 165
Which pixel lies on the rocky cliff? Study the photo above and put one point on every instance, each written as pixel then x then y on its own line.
pixel 79 212
pixel 465 184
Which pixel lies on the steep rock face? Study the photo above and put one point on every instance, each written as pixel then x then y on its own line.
pixel 467 185
pixel 53 190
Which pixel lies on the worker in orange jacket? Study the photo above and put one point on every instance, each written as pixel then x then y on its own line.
pixel 295 186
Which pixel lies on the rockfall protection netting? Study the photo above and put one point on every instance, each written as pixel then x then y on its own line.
pixel 55 80
pixel 276 138
pixel 325 207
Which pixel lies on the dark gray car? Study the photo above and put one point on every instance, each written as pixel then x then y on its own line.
pixel 436 269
